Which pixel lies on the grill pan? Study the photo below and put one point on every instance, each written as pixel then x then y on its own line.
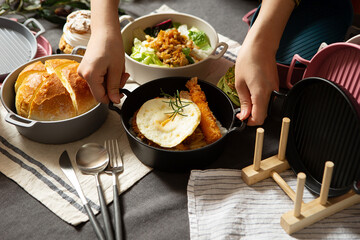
pixel 325 126
pixel 337 62
pixel 18 44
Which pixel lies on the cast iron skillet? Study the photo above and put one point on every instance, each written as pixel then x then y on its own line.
pixel 169 160
pixel 325 126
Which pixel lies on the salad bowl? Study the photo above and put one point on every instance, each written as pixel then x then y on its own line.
pixel 143 73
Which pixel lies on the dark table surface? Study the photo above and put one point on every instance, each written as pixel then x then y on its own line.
pixel 156 206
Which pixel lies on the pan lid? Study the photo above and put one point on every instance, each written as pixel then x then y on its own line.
pixel 310 24
pixel 325 126
pixel 18 44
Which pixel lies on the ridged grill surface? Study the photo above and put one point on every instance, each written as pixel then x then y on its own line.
pixel 15 50
pixel 324 128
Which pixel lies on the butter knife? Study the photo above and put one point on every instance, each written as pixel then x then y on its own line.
pixel 68 170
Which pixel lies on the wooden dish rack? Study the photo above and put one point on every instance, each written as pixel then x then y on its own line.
pixel 303 214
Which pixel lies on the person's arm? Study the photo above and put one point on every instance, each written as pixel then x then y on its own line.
pixel 103 65
pixel 255 69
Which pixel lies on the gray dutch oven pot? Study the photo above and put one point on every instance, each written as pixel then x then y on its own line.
pixel 50 132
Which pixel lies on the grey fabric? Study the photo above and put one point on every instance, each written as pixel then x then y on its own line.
pixel 155 207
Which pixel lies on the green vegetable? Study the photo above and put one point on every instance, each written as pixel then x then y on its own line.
pixel 187 51
pixel 144 54
pixel 227 84
pixel 199 38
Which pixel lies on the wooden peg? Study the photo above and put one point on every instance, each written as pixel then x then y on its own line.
pixel 283 138
pixel 283 185
pixel 325 185
pixel 301 177
pixel 258 148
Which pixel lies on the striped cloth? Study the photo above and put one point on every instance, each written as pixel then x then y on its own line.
pixel 222 206
pixel 35 168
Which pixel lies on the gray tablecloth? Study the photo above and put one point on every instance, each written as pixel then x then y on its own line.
pixel 156 207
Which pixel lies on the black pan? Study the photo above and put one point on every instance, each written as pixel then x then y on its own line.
pixel 325 126
pixel 18 44
pixel 169 160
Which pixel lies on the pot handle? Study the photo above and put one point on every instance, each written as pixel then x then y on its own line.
pixel 37 24
pixel 20 122
pixel 246 17
pixel 295 59
pixel 111 104
pixel 126 17
pixel 273 98
pixel 237 124
pixel 221 53
pixel 77 49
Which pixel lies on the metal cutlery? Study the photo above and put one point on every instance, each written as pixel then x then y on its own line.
pixel 116 166
pixel 68 170
pixel 92 158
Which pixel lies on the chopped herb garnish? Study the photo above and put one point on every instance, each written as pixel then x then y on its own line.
pixel 175 103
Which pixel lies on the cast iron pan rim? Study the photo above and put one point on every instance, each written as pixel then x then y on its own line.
pixel 180 151
pixel 299 166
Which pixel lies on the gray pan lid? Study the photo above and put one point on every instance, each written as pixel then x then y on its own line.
pixel 18 44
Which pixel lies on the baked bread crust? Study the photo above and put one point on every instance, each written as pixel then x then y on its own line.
pixel 52 91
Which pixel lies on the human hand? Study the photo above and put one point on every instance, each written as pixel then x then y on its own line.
pixel 103 66
pixel 255 78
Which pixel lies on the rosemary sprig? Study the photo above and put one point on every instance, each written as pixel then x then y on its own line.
pixel 176 104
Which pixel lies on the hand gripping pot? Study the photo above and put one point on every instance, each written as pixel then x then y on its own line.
pixel 50 132
pixel 142 73
pixel 181 160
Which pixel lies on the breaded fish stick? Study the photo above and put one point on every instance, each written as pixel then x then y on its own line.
pixel 208 124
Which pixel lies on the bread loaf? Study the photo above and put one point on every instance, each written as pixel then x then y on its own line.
pixel 52 91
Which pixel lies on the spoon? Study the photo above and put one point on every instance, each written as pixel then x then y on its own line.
pixel 92 158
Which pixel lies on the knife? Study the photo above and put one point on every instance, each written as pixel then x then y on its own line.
pixel 68 170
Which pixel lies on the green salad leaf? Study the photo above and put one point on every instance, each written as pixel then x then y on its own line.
pixel 199 38
pixel 145 55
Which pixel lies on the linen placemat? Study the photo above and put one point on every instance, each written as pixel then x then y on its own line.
pixel 35 167
pixel 222 206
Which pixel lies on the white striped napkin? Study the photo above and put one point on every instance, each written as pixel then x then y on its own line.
pixel 222 206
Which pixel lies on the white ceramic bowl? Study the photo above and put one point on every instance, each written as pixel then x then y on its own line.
pixel 143 73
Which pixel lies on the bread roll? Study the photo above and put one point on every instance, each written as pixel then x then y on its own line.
pixel 52 91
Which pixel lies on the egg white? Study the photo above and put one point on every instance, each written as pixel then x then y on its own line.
pixel 156 124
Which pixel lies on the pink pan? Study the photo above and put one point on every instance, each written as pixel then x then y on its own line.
pixel 337 62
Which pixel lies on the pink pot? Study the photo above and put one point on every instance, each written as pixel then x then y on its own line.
pixel 337 62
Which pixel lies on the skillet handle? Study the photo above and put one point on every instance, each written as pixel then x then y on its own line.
pixel 237 124
pixel 111 104
pixel 37 24
pixel 275 108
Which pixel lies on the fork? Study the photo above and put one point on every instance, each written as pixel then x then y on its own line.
pixel 116 165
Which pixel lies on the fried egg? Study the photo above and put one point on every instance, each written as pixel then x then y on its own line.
pixel 156 122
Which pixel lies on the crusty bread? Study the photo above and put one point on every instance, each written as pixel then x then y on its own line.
pixel 52 91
